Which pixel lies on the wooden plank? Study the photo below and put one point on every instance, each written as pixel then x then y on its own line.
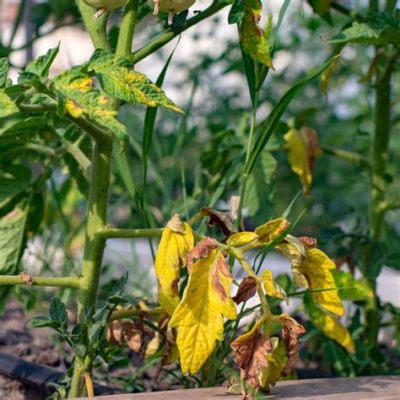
pixel 377 387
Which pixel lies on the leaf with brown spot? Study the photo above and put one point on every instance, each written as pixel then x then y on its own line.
pixel 308 241
pixel 201 250
pixel 246 290
pixel 291 330
pixel 219 219
pixel 251 354
pixel 271 230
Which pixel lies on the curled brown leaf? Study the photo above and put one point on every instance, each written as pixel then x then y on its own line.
pixel 222 220
pixel 246 290
pixel 291 330
pixel 26 278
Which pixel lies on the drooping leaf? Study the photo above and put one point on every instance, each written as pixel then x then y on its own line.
pixel 271 288
pixel 329 325
pixel 42 64
pixel 199 316
pixel 222 220
pixel 7 106
pixel 251 354
pixel 291 330
pixel 4 65
pixel 119 81
pixel 277 360
pixel 81 98
pixel 380 29
pixel 12 229
pixel 312 268
pixel 354 290
pixel 252 38
pixel 303 148
pixel 246 290
pixel 176 241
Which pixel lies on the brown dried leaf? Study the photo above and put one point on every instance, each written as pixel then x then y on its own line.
pixel 247 289
pixel 308 241
pixel 201 250
pixel 291 330
pixel 115 333
pixel 220 267
pixel 222 220
pixel 251 354
pixel 133 339
pixel 175 224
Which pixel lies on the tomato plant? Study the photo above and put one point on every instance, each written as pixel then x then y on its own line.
pixel 74 120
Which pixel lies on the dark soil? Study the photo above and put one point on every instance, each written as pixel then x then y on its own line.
pixel 34 345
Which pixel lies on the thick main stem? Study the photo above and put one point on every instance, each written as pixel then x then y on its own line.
pixel 380 158
pixel 94 244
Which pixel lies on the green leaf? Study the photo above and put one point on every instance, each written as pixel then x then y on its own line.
pixel 380 29
pixel 23 127
pixel 252 38
pixel 4 65
pixel 7 106
pixel 236 13
pixel 82 99
pixel 354 290
pixel 260 186
pixel 393 260
pixel 266 128
pixel 119 81
pixel 57 311
pixel 41 65
pixel 12 230
pixel 322 8
pixel 12 186
pixel 41 321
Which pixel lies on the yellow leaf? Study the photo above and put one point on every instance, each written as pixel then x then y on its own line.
pixel 199 316
pixel 302 147
pixel 176 241
pixel 312 269
pixel 317 269
pixel 293 249
pixel 329 325
pixel 74 108
pixel 276 362
pixel 241 238
pixel 270 286
pixel 271 230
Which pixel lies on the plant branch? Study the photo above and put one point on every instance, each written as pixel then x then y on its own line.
pixel 350 156
pixel 112 233
pixel 67 282
pixel 165 37
pixel 127 29
pixel 135 312
pixel 96 27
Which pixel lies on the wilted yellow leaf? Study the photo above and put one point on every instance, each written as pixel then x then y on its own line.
pixel 271 230
pixel 293 249
pixel 270 286
pixel 176 241
pixel 199 316
pixel 276 362
pixel 317 269
pixel 329 325
pixel 302 147
pixel 241 238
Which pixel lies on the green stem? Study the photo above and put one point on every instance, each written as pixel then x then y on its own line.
pixel 350 156
pixel 67 282
pixel 380 157
pixel 112 233
pixel 245 176
pixel 94 245
pixel 96 27
pixel 127 29
pixel 165 37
